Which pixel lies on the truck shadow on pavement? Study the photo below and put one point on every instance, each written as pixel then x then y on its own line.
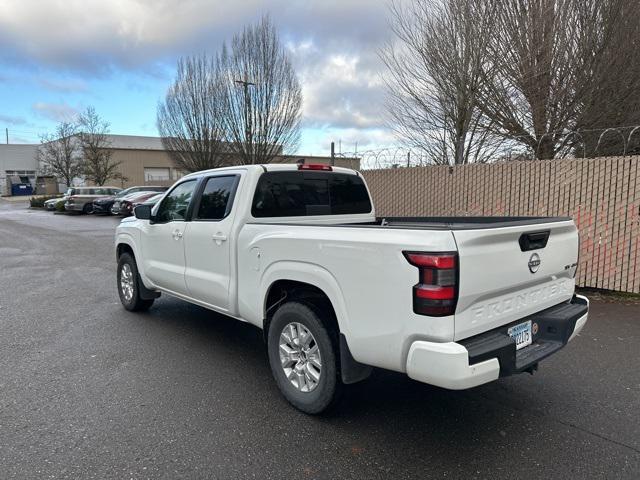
pixel 389 396
pixel 389 420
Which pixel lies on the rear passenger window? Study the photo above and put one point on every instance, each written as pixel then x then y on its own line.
pixel 294 194
pixel 216 199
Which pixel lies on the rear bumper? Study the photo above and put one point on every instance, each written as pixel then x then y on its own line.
pixel 490 355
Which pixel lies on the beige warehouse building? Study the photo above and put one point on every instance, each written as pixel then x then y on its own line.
pixel 144 161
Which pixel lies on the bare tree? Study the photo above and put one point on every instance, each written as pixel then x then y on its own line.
pixel 435 75
pixel 559 66
pixel 97 166
pixel 548 77
pixel 59 153
pixel 612 99
pixel 262 96
pixel 189 119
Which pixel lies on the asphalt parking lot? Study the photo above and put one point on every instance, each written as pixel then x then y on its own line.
pixel 88 390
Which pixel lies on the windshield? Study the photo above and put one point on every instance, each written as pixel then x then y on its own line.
pixel 70 191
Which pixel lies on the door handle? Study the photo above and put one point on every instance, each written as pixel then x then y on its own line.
pixel 219 238
pixel 177 234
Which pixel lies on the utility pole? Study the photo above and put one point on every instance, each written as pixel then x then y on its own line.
pixel 6 131
pixel 247 108
pixel 333 153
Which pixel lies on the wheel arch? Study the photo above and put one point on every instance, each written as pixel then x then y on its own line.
pixel 303 279
pixel 284 290
pixel 125 242
pixel 124 247
pixel 313 284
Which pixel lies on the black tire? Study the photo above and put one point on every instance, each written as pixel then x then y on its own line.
pixel 329 387
pixel 87 209
pixel 135 303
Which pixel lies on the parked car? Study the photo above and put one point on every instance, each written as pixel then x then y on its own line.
pixel 297 251
pixel 82 198
pixel 53 203
pixel 128 203
pixel 104 204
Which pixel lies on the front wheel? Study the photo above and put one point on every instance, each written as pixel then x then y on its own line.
pixel 303 358
pixel 87 209
pixel 128 281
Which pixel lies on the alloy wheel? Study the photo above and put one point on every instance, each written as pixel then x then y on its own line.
pixel 300 357
pixel 126 282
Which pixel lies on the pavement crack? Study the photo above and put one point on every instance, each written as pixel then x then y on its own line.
pixel 598 435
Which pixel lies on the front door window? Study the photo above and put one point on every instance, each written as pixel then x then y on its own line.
pixel 175 205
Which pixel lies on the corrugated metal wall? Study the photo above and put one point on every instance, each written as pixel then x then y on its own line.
pixel 602 195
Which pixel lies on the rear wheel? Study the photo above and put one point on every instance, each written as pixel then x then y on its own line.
pixel 128 285
pixel 303 357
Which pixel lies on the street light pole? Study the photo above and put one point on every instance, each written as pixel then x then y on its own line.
pixel 247 108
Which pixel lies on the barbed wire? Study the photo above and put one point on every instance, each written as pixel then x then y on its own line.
pixel 584 143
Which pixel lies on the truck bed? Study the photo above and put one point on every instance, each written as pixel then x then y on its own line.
pixel 509 267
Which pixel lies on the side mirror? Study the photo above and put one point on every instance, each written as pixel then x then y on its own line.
pixel 142 212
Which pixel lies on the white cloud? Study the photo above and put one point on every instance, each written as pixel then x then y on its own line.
pixel 333 43
pixel 341 92
pixel 65 85
pixel 56 112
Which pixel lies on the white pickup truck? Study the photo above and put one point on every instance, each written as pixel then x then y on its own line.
pixel 297 251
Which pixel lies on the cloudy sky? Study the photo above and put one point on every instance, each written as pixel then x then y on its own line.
pixel 59 56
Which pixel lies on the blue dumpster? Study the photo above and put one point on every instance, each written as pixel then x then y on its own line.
pixel 21 189
pixel 20 185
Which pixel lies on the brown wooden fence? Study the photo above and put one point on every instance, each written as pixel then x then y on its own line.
pixel 602 195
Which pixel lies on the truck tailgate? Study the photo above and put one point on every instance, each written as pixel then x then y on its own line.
pixel 507 274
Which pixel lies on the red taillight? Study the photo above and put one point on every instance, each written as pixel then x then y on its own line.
pixel 431 260
pixel 436 293
pixel 314 166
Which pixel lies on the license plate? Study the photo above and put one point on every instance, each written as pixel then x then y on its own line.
pixel 521 333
